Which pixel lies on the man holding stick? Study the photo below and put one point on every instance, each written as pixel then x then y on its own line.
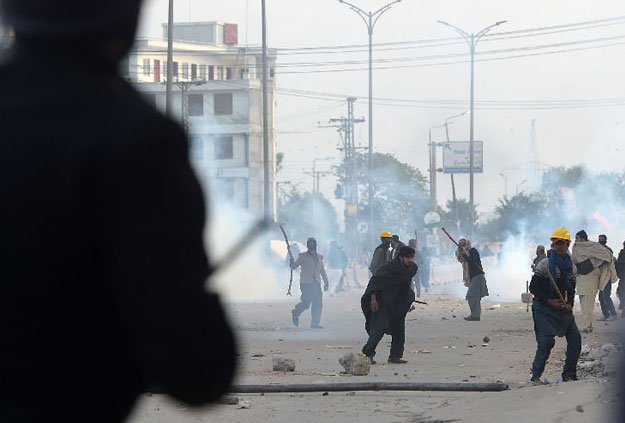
pixel 553 286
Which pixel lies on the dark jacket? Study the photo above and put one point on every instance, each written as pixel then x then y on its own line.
pixel 542 288
pixel 102 282
pixel 381 256
pixel 392 285
pixel 475 264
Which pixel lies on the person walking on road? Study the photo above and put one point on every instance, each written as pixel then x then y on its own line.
pixel 386 302
pixel 605 295
pixel 553 317
pixel 595 267
pixel 313 271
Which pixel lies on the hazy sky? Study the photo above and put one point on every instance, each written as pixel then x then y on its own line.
pixel 437 88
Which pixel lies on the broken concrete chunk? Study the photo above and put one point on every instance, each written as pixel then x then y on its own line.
pixel 283 364
pixel 356 364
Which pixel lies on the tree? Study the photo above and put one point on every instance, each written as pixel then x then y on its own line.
pixel 399 193
pixel 461 226
pixel 309 215
pixel 521 214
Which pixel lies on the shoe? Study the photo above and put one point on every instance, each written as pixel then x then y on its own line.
pixel 612 318
pixel 295 318
pixel 316 327
pixel 602 319
pixel 372 360
pixel 396 360
pixel 472 319
pixel 587 330
pixel 569 378
pixel 535 380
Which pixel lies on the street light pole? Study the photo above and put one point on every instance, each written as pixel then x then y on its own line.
pixel 170 58
pixel 267 203
pixel 370 19
pixel 472 39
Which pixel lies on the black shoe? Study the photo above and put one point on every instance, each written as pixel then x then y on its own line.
pixel 535 380
pixel 316 327
pixel 472 319
pixel 396 360
pixel 569 378
pixel 295 318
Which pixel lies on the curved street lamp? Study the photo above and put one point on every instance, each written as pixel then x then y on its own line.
pixel 370 19
pixel 471 39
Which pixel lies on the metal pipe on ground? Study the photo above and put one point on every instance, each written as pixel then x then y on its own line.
pixel 368 386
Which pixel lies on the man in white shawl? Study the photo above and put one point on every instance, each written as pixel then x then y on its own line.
pixel 595 267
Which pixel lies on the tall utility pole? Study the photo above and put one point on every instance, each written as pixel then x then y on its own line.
pixel 170 58
pixel 268 210
pixel 346 128
pixel 472 39
pixel 370 19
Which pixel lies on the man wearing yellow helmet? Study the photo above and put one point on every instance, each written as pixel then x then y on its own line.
pixel 381 254
pixel 554 281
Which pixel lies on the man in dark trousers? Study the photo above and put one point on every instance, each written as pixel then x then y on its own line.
pixel 313 271
pixel 552 316
pixel 102 282
pixel 473 277
pixel 381 254
pixel 620 271
pixel 386 302
pixel 605 295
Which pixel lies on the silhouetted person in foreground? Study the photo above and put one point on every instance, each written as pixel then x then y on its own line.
pixel 102 282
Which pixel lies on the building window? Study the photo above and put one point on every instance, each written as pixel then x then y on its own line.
pixel 211 72
pixel 203 72
pixel 196 148
pixel 185 70
pixel 193 71
pixel 244 73
pixel 196 104
pixel 272 72
pixel 146 67
pixel 220 73
pixel 175 68
pixel 228 73
pixel 223 103
pixel 225 188
pixel 224 148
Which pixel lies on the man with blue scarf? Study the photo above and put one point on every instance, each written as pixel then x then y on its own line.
pixel 553 316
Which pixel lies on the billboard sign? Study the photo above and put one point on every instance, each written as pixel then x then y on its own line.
pixel 456 157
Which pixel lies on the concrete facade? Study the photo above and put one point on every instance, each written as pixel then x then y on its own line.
pixel 222 109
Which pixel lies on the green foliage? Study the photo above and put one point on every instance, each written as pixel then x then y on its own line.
pixel 450 220
pixel 308 215
pixel 399 193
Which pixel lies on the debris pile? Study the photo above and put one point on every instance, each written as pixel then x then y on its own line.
pixel 283 364
pixel 356 364
pixel 599 361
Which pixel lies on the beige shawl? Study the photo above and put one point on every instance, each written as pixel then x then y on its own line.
pixel 466 276
pixel 602 261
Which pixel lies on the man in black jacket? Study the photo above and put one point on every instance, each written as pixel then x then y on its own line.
pixel 102 282
pixel 552 316
pixel 386 302
pixel 474 278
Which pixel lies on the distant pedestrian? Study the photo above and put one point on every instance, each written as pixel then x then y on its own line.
pixel 473 276
pixel 540 255
pixel 425 270
pixel 313 271
pixel 396 245
pixel 605 301
pixel 381 254
pixel 337 265
pixel 620 270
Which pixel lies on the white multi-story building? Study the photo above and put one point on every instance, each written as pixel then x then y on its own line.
pixel 217 95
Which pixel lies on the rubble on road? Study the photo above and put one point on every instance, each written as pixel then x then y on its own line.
pixel 601 361
pixel 356 364
pixel 283 364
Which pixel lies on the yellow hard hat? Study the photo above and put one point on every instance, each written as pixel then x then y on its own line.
pixel 386 234
pixel 561 233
